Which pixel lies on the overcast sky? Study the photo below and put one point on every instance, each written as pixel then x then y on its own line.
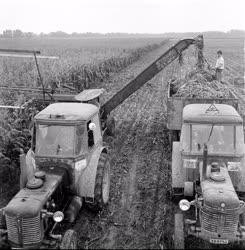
pixel 132 16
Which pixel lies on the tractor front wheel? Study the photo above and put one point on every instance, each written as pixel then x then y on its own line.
pixel 102 184
pixel 69 240
pixel 179 240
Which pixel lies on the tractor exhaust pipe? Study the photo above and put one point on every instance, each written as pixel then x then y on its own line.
pixel 205 161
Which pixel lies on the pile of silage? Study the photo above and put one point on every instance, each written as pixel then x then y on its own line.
pixel 199 84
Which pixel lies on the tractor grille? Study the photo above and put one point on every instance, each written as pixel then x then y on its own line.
pixel 216 222
pixel 24 231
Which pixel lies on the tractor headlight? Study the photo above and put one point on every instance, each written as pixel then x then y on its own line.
pixel 58 216
pixel 184 205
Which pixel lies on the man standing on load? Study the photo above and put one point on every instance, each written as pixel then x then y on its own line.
pixel 219 67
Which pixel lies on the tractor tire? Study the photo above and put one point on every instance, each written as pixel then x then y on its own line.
pixel 102 184
pixel 69 240
pixel 179 240
pixel 110 126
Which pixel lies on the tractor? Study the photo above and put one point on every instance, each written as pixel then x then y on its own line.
pixel 208 175
pixel 71 166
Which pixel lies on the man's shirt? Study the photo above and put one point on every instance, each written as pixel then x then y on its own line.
pixel 220 63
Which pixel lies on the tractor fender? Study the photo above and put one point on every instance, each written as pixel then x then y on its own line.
pixel 177 169
pixel 86 182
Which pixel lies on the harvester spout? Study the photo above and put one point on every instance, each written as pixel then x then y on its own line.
pixel 159 64
pixel 205 159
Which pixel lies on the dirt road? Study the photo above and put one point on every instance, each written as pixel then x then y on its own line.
pixel 138 215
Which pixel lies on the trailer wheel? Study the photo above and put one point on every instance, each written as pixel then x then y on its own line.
pixel 179 240
pixel 69 240
pixel 102 184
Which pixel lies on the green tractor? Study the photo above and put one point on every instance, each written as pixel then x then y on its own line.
pixel 208 171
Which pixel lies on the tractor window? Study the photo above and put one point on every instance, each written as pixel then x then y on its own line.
pixel 219 138
pixel 81 140
pixel 90 136
pixel 55 140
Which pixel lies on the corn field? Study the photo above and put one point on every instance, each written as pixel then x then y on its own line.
pixel 80 65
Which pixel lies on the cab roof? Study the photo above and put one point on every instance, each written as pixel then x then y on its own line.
pixel 211 113
pixel 67 111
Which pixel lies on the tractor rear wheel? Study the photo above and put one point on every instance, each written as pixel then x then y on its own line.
pixel 179 240
pixel 102 184
pixel 69 240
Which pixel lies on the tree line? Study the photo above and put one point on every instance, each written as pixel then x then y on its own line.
pixel 17 33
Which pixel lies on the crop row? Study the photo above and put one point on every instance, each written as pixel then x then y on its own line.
pixel 76 64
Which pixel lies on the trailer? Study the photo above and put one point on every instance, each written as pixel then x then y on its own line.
pixel 175 106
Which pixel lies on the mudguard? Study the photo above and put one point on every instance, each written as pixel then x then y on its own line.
pixel 86 182
pixel 177 169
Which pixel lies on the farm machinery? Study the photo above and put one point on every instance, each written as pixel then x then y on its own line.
pixel 208 168
pixel 68 164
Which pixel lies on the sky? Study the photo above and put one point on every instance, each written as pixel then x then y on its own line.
pixel 131 16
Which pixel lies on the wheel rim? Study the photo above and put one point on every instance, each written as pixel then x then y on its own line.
pixel 106 184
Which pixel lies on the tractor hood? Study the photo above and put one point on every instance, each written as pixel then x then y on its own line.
pixel 28 202
pixel 219 193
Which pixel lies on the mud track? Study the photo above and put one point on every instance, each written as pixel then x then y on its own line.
pixel 139 214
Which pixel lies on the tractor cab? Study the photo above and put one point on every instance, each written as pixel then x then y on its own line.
pixel 69 136
pixel 217 125
pixel 220 128
pixel 66 130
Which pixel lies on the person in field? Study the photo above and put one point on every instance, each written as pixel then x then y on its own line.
pixel 219 66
